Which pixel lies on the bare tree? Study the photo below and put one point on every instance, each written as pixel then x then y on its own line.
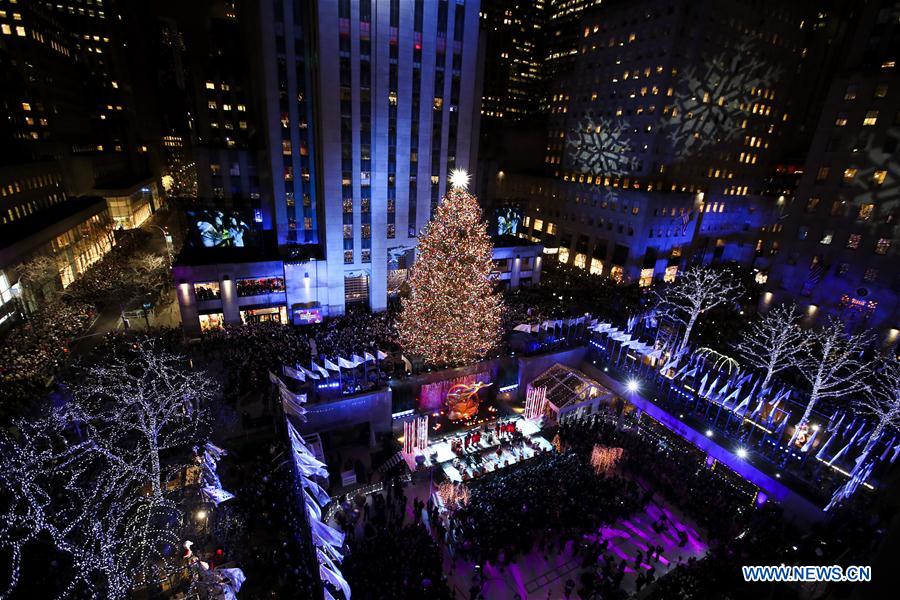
pixel 693 293
pixel 773 342
pixel 882 400
pixel 87 478
pixel 143 403
pixel 37 273
pixel 835 365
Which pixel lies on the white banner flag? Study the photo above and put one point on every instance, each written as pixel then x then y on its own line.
pixel 293 373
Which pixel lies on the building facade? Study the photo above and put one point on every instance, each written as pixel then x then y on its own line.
pixel 364 107
pixel 838 247
pixel 513 70
pixel 663 124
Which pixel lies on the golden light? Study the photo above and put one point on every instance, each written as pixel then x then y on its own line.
pixel 459 179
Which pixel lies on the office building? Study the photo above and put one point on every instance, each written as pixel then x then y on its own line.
pixel 837 250
pixel 513 69
pixel 661 135
pixel 364 108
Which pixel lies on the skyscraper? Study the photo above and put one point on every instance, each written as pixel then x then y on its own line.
pixel 838 244
pixel 661 132
pixel 514 32
pixel 364 106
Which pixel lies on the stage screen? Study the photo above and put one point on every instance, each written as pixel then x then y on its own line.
pixel 433 396
pixel 211 228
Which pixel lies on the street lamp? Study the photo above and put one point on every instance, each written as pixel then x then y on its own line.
pixel 168 238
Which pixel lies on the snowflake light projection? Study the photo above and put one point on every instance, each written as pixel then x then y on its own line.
pixel 711 101
pixel 600 147
pixel 877 177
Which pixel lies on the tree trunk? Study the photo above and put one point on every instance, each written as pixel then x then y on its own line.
pixel 687 334
pixel 154 463
pixel 766 380
pixel 813 400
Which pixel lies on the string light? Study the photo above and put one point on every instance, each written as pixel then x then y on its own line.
pixel 87 477
pixel 453 313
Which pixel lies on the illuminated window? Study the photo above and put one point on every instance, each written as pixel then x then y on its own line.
pixel 865 212
pixel 842 269
pixel 849 175
pixel 211 104
pixel 802 232
pixel 871 117
pixel 853 241
pixel 210 85
pixel 617 274
pixel 646 279
pixel 870 275
pixel 286 147
pixel 881 90
pixel 826 238
pixel 811 204
pixel 596 266
pixel 850 94
pixel 841 120
pixel 538 225
pixel 551 228
pixel 563 255
pixel 882 246
pixel 822 174
pixel 878 176
pixel 580 261
pixel 670 274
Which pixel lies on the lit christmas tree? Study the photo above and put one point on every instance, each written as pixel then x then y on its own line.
pixel 452 314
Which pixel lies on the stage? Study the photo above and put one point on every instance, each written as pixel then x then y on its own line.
pixel 479 456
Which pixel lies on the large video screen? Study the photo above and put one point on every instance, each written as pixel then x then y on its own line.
pixel 211 228
pixel 508 220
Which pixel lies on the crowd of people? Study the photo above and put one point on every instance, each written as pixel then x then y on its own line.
pixel 711 499
pixel 390 552
pixel 125 274
pixel 262 530
pixel 246 353
pixel 553 496
pixel 35 350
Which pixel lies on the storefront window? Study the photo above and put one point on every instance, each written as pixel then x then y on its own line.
pixel 274 314
pixel 263 285
pixel 212 322
pixel 617 274
pixel 207 290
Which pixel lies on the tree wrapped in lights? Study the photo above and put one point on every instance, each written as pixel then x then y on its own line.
pixel 774 342
pixel 882 402
pixel 142 403
pixel 835 367
pixel 452 314
pixel 86 479
pixel 693 293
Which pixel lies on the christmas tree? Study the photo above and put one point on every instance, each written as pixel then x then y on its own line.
pixel 452 314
